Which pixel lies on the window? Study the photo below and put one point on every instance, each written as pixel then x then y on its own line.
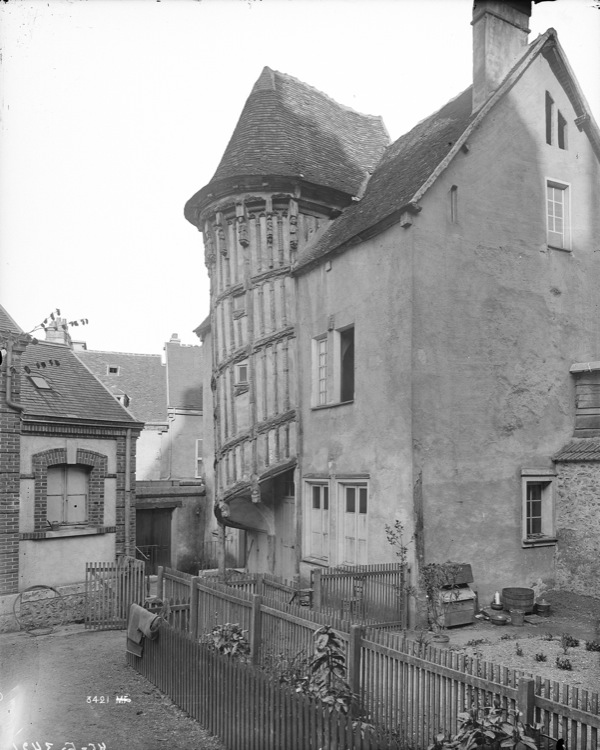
pixel 112 370
pixel 67 494
pixel 241 374
pixel 199 460
pixel 123 399
pixel 322 370
pixel 453 195
pixel 333 368
pixel 239 304
pixel 354 501
pixel 549 118
pixel 40 382
pixel 538 506
pixel 318 521
pixel 562 132
pixel 558 215
pixel 347 365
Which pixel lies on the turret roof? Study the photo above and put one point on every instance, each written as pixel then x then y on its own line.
pixel 288 128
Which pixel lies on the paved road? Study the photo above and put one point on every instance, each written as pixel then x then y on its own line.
pixel 49 685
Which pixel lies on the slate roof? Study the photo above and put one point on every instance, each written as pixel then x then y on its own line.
pixel 141 376
pixel 402 170
pixel 288 128
pixel 580 449
pixel 7 323
pixel 75 392
pixel 184 376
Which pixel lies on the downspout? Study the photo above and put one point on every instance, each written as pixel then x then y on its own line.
pixel 127 490
pixel 9 401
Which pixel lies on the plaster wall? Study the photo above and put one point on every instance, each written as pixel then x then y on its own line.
pixel 370 287
pixel 57 562
pixel 498 319
pixel 578 526
pixel 149 454
pixel 179 445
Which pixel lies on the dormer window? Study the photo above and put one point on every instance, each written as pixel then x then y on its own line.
pixel 112 370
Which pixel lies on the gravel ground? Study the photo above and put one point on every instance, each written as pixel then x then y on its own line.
pixel 570 613
pixel 47 687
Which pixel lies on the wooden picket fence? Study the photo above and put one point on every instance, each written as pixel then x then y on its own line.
pixel 411 690
pixel 110 589
pixel 268 716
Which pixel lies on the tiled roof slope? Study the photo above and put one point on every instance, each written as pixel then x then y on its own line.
pixel 289 128
pixel 7 323
pixel 75 391
pixel 184 376
pixel 141 376
pixel 580 449
pixel 402 170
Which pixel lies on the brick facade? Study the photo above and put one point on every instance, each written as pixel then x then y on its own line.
pixel 10 450
pixel 98 464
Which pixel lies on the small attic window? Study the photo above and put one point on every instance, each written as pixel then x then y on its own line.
pixel 112 369
pixel 562 131
pixel 40 382
pixel 549 116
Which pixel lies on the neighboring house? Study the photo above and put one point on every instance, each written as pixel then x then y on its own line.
pixel 392 327
pixel 167 397
pixel 67 469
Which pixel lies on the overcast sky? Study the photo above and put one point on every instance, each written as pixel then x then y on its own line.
pixel 115 112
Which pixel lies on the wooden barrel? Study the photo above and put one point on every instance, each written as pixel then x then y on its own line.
pixel 518 599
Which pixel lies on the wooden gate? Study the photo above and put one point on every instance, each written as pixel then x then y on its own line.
pixel 110 589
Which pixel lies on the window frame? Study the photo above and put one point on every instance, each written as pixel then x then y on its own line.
pixel 545 480
pixel 66 469
pixel 322 556
pixel 199 470
pixel 238 368
pixel 564 188
pixel 343 485
pixel 327 367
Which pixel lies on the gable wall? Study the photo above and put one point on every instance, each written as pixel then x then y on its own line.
pixel 368 286
pixel 498 320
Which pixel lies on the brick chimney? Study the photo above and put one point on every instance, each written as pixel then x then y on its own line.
pixel 500 29
pixel 58 332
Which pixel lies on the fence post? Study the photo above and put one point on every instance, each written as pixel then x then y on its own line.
pixel 255 629
pixel 525 699
pixel 259 585
pixel 316 587
pixel 354 650
pixel 194 607
pixel 160 582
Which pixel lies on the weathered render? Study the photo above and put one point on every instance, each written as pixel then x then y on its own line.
pixel 432 319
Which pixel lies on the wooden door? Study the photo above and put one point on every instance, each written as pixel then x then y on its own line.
pixel 153 537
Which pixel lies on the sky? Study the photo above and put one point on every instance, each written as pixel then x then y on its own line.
pixel 115 112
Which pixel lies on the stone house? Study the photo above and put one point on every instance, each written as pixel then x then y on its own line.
pixel 67 467
pixel 165 393
pixel 393 327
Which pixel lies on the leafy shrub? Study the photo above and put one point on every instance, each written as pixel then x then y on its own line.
pixel 592 646
pixel 508 637
pixel 287 670
pixel 488 725
pixel 547 637
pixel 563 663
pixel 476 642
pixel 327 671
pixel 541 657
pixel 567 641
pixel 230 640
pixel 519 650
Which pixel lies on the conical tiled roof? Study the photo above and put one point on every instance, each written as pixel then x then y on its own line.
pixel 288 128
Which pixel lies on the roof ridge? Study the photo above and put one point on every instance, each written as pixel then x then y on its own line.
pixel 128 354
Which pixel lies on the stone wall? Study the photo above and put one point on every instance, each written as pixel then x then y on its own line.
pixel 578 527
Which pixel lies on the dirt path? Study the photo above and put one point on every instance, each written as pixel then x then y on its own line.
pixel 48 685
